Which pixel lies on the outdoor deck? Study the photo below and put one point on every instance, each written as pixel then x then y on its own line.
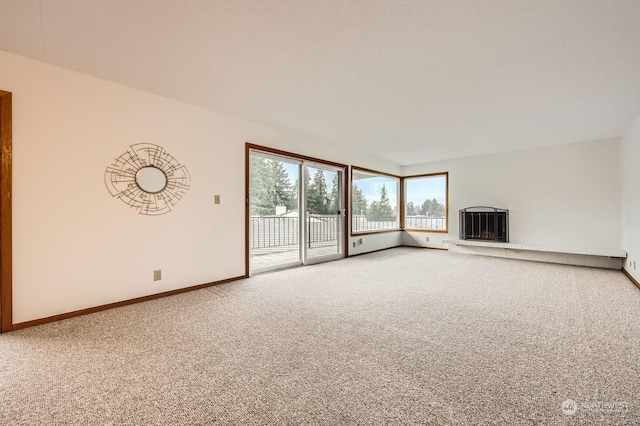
pixel 286 255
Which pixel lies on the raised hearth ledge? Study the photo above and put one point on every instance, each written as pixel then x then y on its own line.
pixel 528 247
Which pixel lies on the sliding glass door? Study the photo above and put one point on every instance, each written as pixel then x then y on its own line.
pixel 293 221
pixel 324 213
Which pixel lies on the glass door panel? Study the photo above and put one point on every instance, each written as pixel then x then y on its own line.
pixel 324 218
pixel 274 206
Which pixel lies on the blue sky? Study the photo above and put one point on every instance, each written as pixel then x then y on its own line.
pixel 419 190
pixel 292 170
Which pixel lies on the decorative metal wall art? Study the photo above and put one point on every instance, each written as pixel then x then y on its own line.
pixel 147 178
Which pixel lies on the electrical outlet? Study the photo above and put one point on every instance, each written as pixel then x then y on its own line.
pixel 427 239
pixel 216 199
pixel 354 244
pixel 157 275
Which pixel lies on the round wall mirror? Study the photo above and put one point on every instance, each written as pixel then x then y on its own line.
pixel 151 179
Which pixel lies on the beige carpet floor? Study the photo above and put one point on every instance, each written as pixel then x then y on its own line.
pixel 402 336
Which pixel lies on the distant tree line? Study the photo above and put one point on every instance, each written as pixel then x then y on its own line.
pixel 431 208
pixel 377 209
pixel 382 208
pixel 270 186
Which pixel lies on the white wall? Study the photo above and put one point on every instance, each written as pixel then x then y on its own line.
pixel 630 158
pixel 365 243
pixel 565 197
pixel 74 245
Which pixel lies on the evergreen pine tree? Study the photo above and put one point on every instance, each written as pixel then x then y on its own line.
pixel 258 187
pixel 281 191
pixel 358 201
pixel 411 209
pixel 382 209
pixel 317 198
pixel 269 186
pixel 334 202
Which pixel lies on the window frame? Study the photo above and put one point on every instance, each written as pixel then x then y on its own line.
pixel 404 180
pixel 399 200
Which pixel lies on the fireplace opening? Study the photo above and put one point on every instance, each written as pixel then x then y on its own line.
pixel 484 223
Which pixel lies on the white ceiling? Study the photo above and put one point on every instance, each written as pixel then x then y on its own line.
pixel 410 81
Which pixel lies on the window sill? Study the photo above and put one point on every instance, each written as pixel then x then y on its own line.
pixel 377 231
pixel 433 231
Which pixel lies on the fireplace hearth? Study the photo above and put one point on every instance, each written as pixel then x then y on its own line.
pixel 484 224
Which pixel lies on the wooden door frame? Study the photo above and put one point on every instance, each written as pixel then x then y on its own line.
pixel 6 316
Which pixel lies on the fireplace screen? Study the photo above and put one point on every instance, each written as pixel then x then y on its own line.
pixel 484 223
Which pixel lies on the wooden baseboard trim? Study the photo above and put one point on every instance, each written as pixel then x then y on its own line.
pixel 80 312
pixel 633 280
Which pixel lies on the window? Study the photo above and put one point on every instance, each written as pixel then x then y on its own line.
pixel 374 201
pixel 426 199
